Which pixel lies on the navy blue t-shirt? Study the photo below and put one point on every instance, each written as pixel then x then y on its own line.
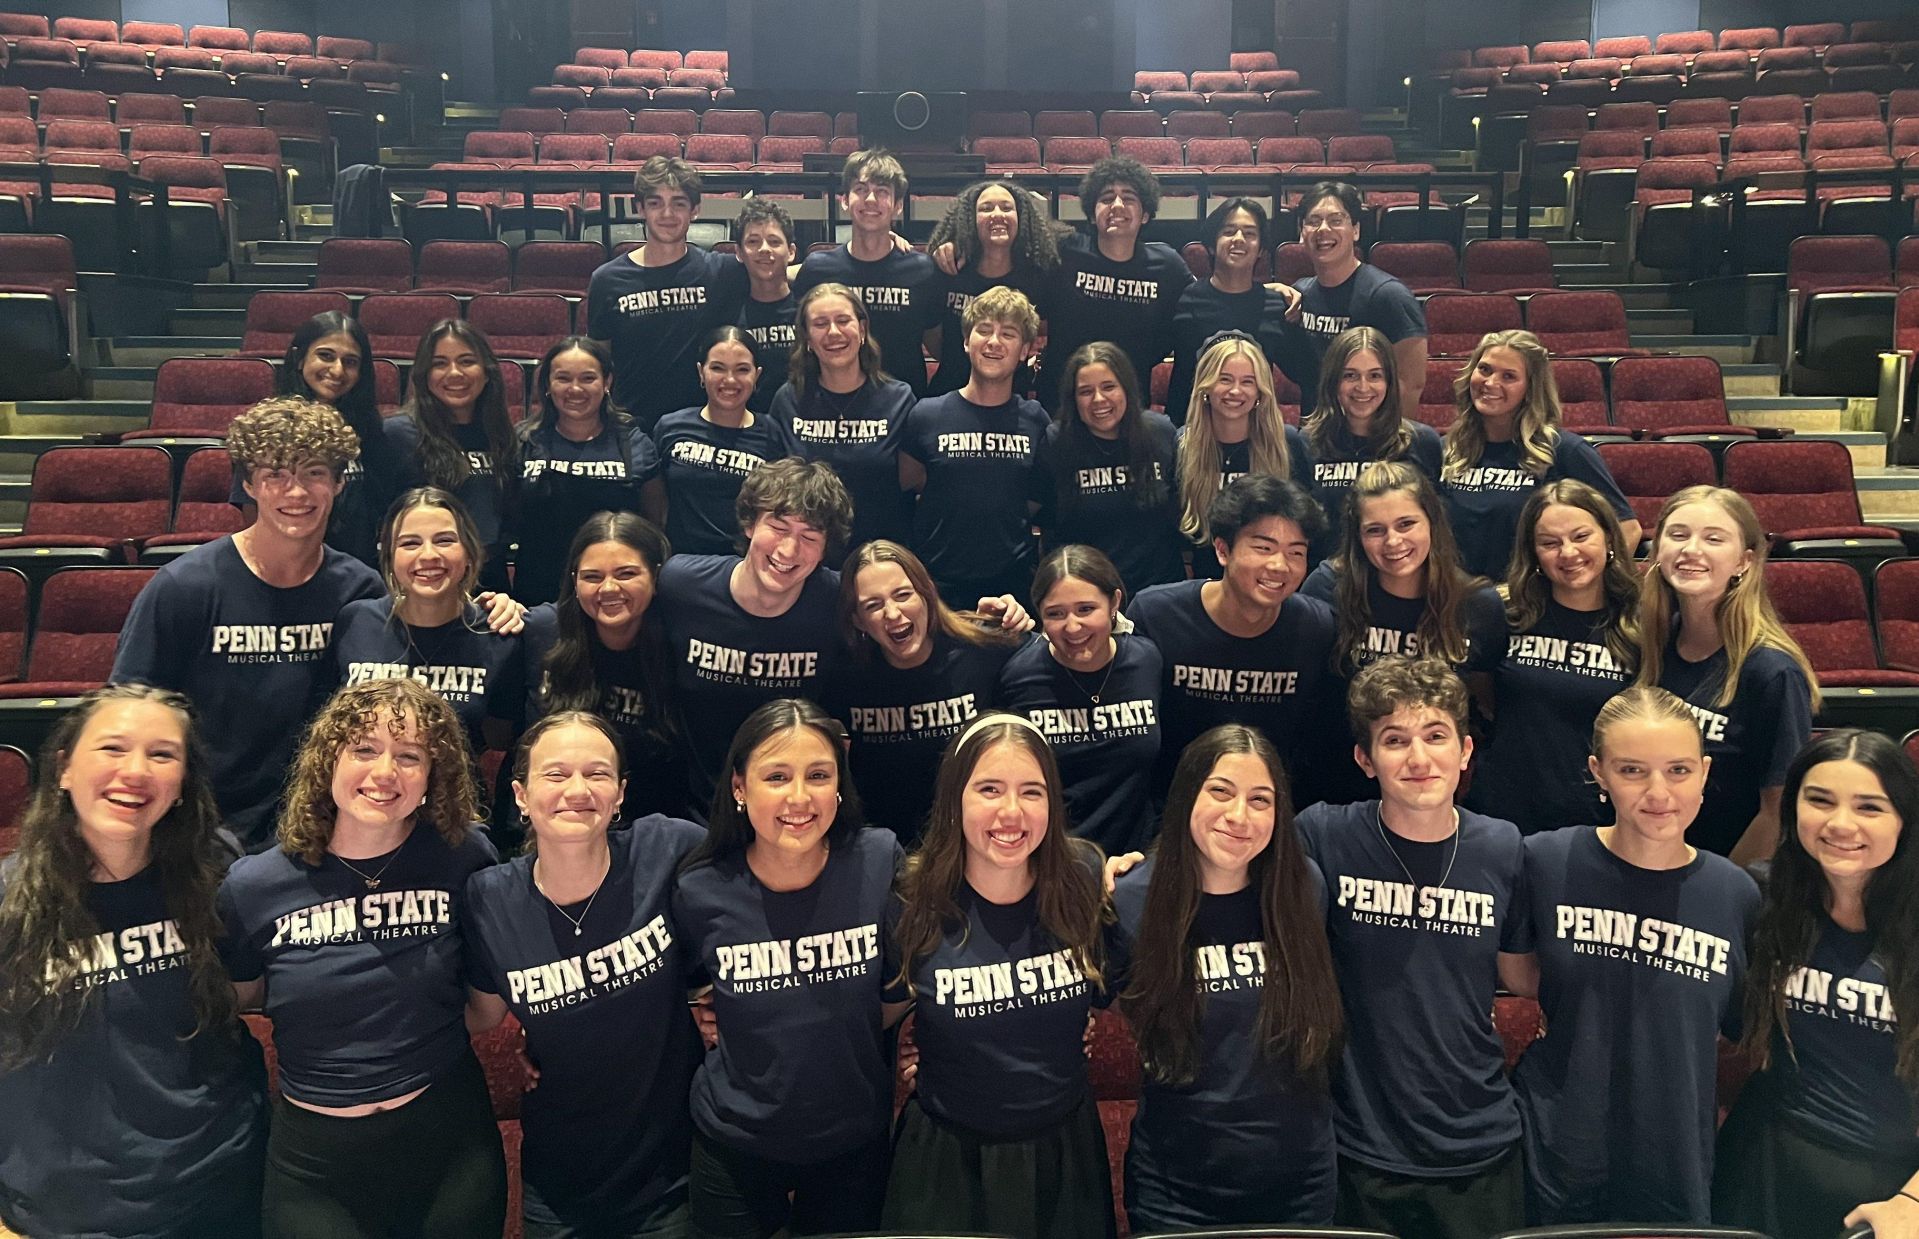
pixel 1371 298
pixel 1248 1139
pixel 800 1074
pixel 562 483
pixel 365 984
pixel 1751 740
pixel 1484 500
pixel 771 324
pixel 704 465
pixel 1417 930
pixel 904 296
pixel 1203 311
pixel 1546 693
pixel 1090 502
pixel 900 722
pixel 1090 297
pixel 488 498
pixel 1000 1016
pixel 254 658
pixel 972 522
pixel 956 293
pixel 654 318
pixel 1337 462
pixel 859 433
pixel 137 1127
pixel 604 1007
pixel 727 663
pixel 1837 1084
pixel 1104 729
pixel 1277 681
pixel 655 772
pixel 481 674
pixel 1235 462
pixel 1640 970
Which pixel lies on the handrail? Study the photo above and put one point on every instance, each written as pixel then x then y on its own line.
pixel 610 181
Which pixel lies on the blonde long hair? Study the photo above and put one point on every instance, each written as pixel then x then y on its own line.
pixel 1199 450
pixel 1535 424
pixel 1744 614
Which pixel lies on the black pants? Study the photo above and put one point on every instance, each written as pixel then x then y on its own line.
pixel 432 1169
pixel 735 1195
pixel 1488 1202
pixel 1771 1178
pixel 669 1221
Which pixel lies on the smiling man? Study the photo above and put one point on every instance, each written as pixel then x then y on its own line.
pixel 241 625
pixel 1111 285
pixel 973 455
pixel 1246 648
pixel 1344 292
pixel 653 306
pixel 901 288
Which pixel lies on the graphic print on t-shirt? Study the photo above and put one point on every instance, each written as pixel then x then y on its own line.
pixel 1850 1000
pixel 580 979
pixel 1563 654
pixel 1010 985
pixel 1402 905
pixel 1646 941
pixel 1085 724
pixel 1222 966
pixel 779 669
pixel 712 456
pixel 138 951
pixel 445 681
pixel 271 643
pixel 789 963
pixel 377 916
pixel 891 724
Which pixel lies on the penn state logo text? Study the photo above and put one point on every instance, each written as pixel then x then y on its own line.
pixel 1013 985
pixel 378 916
pixel 1401 905
pixel 1643 940
pixel 789 963
pixel 582 978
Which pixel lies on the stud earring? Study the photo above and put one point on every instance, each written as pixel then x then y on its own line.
pixel 1736 578
pixel 739 804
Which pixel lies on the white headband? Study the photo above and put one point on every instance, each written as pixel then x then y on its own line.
pixel 987 719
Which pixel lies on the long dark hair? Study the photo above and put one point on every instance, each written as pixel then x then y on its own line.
pixel 729 831
pixel 1442 629
pixel 1035 249
pixel 1392 438
pixel 359 407
pixel 1143 481
pixel 1299 1009
pixel 1795 900
pixel 441 456
pixel 44 918
pixel 567 680
pixel 965 627
pixel 1066 871
pixel 612 416
pixel 1528 590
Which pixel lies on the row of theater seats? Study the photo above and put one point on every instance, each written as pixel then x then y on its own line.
pixel 1816 37
pixel 1661 79
pixel 92 33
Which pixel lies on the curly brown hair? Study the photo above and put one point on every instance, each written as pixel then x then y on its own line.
pixel 452 801
pixel 286 432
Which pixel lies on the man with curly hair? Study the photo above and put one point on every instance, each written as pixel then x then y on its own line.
pixel 241 625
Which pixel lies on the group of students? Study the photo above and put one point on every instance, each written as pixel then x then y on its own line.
pixel 723 751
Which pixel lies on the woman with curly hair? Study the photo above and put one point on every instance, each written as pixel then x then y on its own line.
pixel 349 936
pixel 132 1101
pixel 1000 235
pixel 1572 642
pixel 454 432
pixel 1507 443
pixel 1000 948
pixel 1822 1138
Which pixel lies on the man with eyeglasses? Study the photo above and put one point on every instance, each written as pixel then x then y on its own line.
pixel 242 624
pixel 1344 292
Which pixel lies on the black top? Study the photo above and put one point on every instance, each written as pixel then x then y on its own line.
pixel 365 982
pixel 1640 970
pixel 1104 729
pixel 956 293
pixel 771 324
pixel 1546 693
pixel 254 658
pixel 1485 500
pixel 800 1074
pixel 562 483
pixel 1090 297
pixel 1247 1134
pixel 1204 311
pixel 1371 298
pixel 1417 930
pixel 488 498
pixel 655 318
pixel 607 1134
pixel 1337 462
pixel 481 674
pixel 900 722
pixel 1000 1017
pixel 859 433
pixel 138 1127
pixel 704 464
pixel 982 467
pixel 1751 740
pixel 1091 502
pixel 903 296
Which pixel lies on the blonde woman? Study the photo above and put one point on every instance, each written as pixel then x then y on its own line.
pixel 1507 443
pixel 1709 634
pixel 1233 427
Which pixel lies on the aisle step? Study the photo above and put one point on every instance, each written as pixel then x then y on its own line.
pixel 1802 413
pixel 1727 350
pixel 1755 379
pixel 152 350
pixel 1889 491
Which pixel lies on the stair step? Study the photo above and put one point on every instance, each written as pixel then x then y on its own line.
pixel 1736 350
pixel 272 252
pixel 152 350
pixel 72 418
pixel 1890 491
pixel 1867 447
pixel 120 382
pixel 1801 413
pixel 196 321
pixel 1635 296
pixel 1751 380
pixel 1666 319
pixel 236 296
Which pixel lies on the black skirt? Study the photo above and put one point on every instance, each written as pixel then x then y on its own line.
pixel 1053 1185
pixel 1769 1177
